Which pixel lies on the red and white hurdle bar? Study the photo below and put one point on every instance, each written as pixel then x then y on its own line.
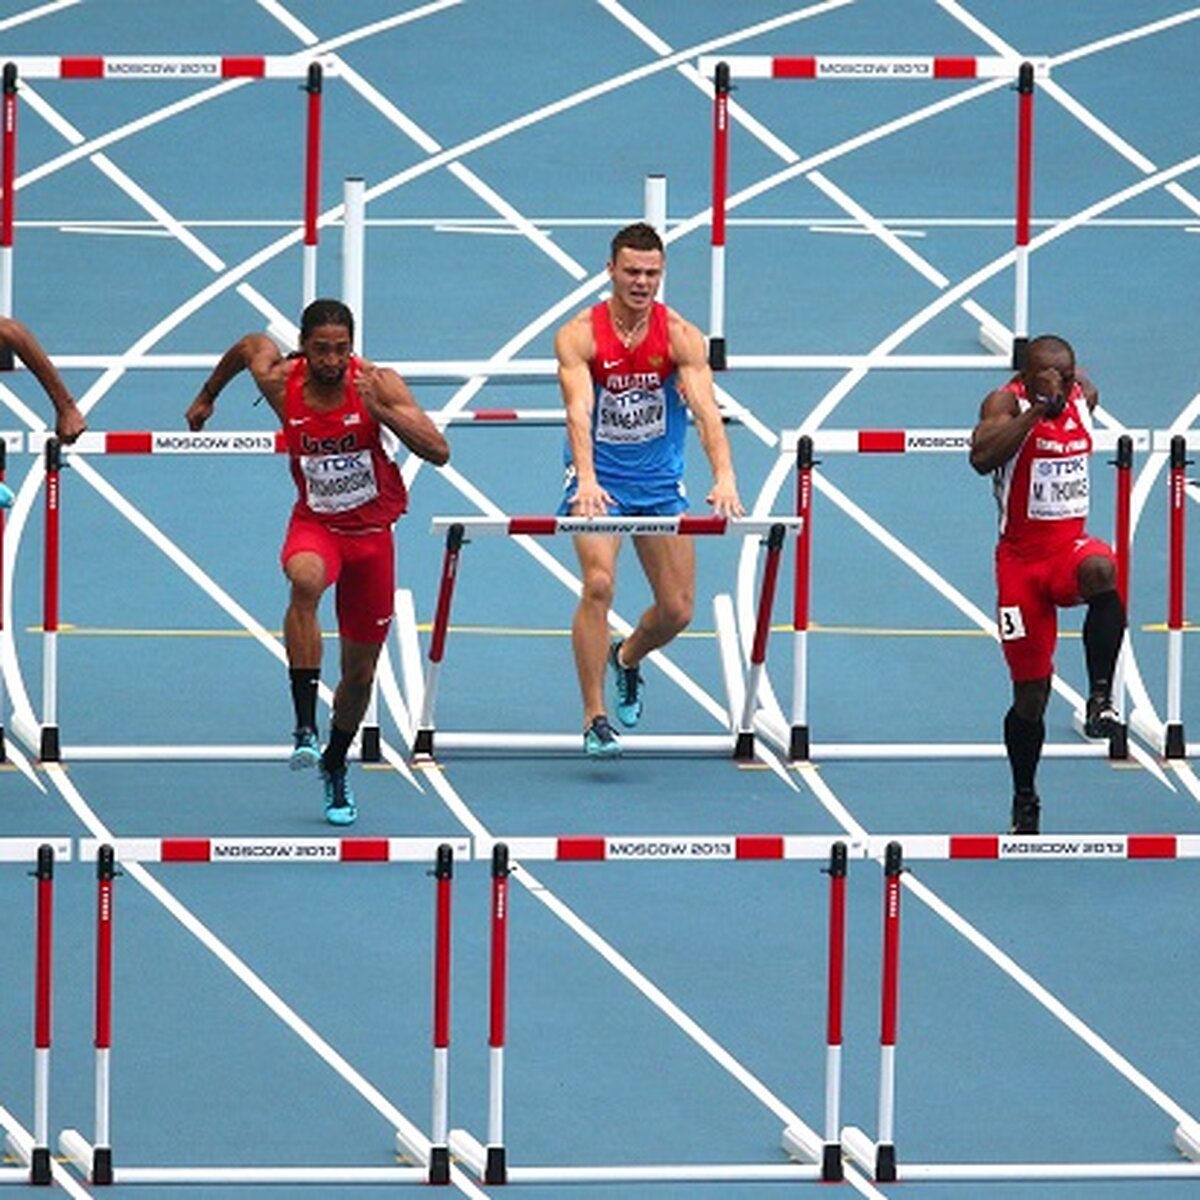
pixel 739 741
pixel 95 1159
pixel 863 68
pixel 900 441
pixel 191 68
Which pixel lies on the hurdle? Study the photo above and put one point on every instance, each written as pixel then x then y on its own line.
pixel 860 68
pixel 797 741
pixel 33 1152
pixel 190 68
pixel 738 742
pixel 139 442
pixel 94 1160
pixel 490 1163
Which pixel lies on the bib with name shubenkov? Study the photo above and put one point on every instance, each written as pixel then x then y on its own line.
pixel 637 414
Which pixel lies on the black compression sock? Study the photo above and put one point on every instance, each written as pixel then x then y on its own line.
pixel 1103 629
pixel 1023 740
pixel 305 681
pixel 334 757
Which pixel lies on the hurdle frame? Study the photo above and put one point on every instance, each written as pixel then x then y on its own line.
pixel 739 743
pixel 94 1160
pixel 857 68
pixel 199 68
pixel 797 742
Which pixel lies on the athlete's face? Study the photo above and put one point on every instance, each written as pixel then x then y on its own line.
pixel 1050 371
pixel 327 352
pixel 635 276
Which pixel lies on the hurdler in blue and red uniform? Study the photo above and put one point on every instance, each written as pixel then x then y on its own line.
pixel 1035 436
pixel 332 407
pixel 630 370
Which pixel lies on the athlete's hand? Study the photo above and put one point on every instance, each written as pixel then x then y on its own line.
pixel 70 424
pixel 724 499
pixel 591 500
pixel 1049 392
pixel 199 411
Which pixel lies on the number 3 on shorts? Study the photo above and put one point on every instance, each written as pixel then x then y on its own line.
pixel 1012 627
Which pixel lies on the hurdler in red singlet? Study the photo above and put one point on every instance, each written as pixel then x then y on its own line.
pixel 1043 493
pixel 349 494
pixel 332 407
pixel 1034 435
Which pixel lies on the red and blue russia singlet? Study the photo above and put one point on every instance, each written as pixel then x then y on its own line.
pixel 344 478
pixel 639 417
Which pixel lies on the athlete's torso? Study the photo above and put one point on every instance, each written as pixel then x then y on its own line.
pixel 343 476
pixel 639 417
pixel 1042 491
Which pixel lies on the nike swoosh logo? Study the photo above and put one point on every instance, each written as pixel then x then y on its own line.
pixel 608 366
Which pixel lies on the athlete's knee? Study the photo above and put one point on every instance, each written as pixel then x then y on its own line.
pixel 676 610
pixel 598 586
pixel 1030 698
pixel 1097 573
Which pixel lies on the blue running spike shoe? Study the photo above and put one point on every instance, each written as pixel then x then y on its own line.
pixel 340 808
pixel 6 496
pixel 629 688
pixel 307 752
pixel 599 740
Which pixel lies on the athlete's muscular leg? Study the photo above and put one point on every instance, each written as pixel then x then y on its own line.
pixel 670 566
pixel 1025 731
pixel 1104 625
pixel 589 629
pixel 301 630
pixel 353 692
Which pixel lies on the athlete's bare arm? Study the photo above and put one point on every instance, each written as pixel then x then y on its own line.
pixel 256 353
pixel 388 399
pixel 574 347
pixel 16 338
pixel 696 384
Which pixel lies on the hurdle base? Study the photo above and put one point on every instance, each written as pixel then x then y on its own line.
pixel 1175 745
pixel 371 744
pixel 832 1169
pixel 798 744
pixel 885 1163
pixel 1187 1141
pixel 49 749
pixel 743 746
pixel 801 1144
pixel 496 1170
pixel 859 1149
pixel 439 1164
pixel 500 744
pixel 468 1151
pixel 40 1173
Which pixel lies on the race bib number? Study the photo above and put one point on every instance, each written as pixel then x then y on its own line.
pixel 335 483
pixel 1012 624
pixel 1058 488
pixel 630 416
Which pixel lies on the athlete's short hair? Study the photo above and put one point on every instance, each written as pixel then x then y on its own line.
pixel 1051 341
pixel 638 236
pixel 326 312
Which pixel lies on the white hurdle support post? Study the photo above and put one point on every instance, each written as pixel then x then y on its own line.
pixel 885 1147
pixel 102 1163
pixel 8 172
pixel 717 359
pixel 314 86
pixel 1176 744
pixel 39 1165
pixel 1024 211
pixel 422 745
pixel 831 1160
pixel 496 1166
pixel 353 264
pixel 439 1147
pixel 744 745
pixel 798 742
pixel 654 205
pixel 50 749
